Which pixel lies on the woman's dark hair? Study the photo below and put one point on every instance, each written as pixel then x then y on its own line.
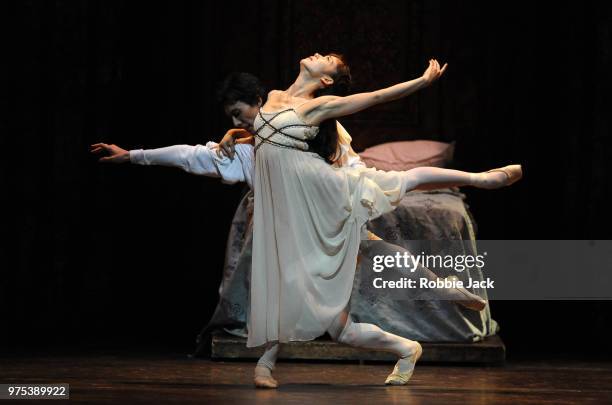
pixel 240 86
pixel 326 142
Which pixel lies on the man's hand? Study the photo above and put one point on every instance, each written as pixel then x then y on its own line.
pixel 114 153
pixel 433 72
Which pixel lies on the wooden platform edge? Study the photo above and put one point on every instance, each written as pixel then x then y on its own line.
pixel 491 350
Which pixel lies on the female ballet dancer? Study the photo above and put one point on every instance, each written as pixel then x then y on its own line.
pixel 309 216
pixel 241 96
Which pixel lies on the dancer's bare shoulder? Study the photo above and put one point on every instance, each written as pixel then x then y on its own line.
pixel 277 99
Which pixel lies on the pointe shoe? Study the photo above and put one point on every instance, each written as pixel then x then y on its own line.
pixel 399 378
pixel 263 378
pixel 469 300
pixel 513 174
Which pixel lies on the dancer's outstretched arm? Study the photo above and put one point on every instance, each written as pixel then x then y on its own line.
pixel 326 107
pixel 202 160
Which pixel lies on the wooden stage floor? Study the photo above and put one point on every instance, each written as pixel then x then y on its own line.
pixel 146 379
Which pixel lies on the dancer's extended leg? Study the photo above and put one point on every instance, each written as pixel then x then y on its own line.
pixel 427 178
pixel 368 336
pixel 263 370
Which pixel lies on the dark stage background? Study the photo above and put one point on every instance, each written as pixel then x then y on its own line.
pixel 129 256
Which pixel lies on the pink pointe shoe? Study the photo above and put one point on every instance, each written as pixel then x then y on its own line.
pixel 513 174
pixel 399 377
pixel 263 378
pixel 471 301
pixel 466 298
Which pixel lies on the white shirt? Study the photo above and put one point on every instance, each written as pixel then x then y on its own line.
pixel 203 159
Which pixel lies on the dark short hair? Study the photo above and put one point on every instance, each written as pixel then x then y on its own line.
pixel 240 86
pixel 342 78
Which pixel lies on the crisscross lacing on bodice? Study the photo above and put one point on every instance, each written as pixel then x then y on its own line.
pixel 297 141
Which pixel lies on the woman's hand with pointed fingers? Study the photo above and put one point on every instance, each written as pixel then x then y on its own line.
pixel 434 72
pixel 227 146
pixel 248 140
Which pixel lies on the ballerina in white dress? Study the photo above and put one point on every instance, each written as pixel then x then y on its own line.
pixel 309 217
pixel 206 160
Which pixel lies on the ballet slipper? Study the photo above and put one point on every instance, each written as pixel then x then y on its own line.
pixel 472 301
pixel 513 174
pixel 468 299
pixel 263 378
pixel 405 367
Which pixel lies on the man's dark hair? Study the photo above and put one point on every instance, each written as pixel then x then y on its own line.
pixel 240 86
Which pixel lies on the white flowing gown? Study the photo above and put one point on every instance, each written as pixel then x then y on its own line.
pixel 308 223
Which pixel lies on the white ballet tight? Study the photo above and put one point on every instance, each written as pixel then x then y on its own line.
pixel 368 336
pixel 268 359
pixel 362 335
pixel 427 178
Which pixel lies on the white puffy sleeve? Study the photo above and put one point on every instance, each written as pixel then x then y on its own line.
pixel 202 160
pixel 348 157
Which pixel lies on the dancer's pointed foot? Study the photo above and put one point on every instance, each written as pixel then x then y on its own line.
pixel 471 301
pixel 263 378
pixel 405 367
pixel 467 299
pixel 513 173
pixel 501 177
